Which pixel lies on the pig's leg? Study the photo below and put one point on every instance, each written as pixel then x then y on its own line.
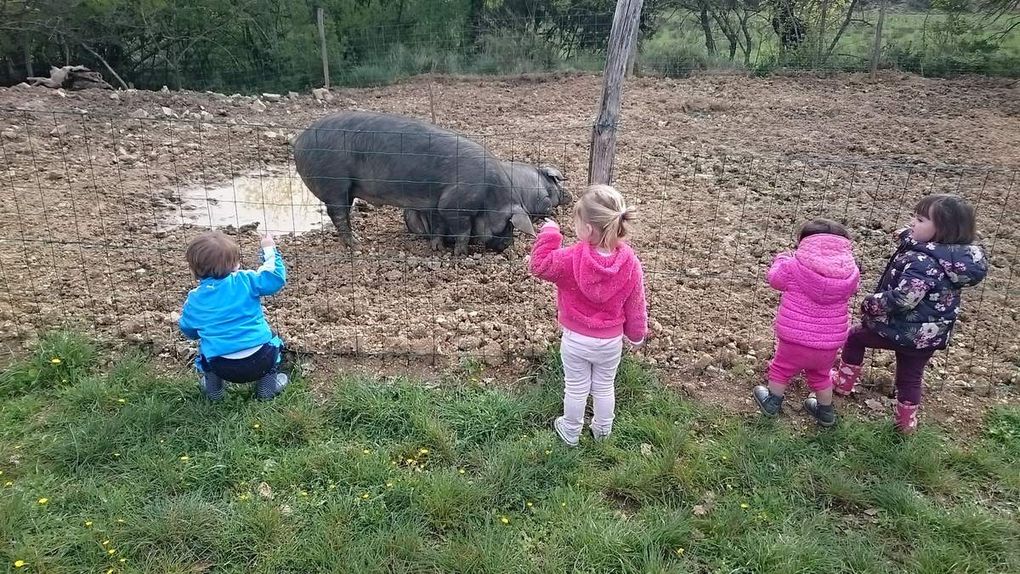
pixel 457 222
pixel 416 223
pixel 339 211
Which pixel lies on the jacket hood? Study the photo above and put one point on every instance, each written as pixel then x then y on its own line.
pixel 827 267
pixel 965 265
pixel 603 277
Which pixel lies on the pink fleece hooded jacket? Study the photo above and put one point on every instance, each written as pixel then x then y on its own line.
pixel 817 282
pixel 597 295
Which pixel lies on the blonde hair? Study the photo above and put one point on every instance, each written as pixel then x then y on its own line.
pixel 212 254
pixel 603 208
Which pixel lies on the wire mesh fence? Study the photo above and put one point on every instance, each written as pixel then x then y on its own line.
pixel 95 213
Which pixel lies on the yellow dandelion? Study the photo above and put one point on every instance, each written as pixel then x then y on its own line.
pixel 88 524
pixel 1 473
pixel 724 457
pixel 44 501
pixel 120 521
pixel 122 560
pixel 423 451
pixel 303 493
pixel 256 426
pixel 679 551
pixel 185 458
pixel 745 505
pixel 20 563
pixel 389 485
pixel 121 401
pixel 366 451
pixel 460 471
pixel 105 542
pixel 110 571
pixel 410 461
pixel 504 520
pixel 244 496
pixel 111 551
pixel 563 504
pixel 530 504
pixel 364 496
pixel 55 360
pixel 8 483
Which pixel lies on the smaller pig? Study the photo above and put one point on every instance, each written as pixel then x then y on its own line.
pixel 538 188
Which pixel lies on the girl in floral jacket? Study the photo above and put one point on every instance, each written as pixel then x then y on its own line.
pixel 915 306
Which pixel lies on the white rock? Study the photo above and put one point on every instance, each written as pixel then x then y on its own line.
pixel 272 97
pixel 58 131
pixel 139 114
pixel 258 106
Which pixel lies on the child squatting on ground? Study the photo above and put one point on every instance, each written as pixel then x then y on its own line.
pixel 224 313
pixel 600 298
pixel 917 301
pixel 817 281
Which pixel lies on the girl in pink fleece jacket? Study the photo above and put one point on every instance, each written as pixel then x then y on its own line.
pixel 813 321
pixel 600 297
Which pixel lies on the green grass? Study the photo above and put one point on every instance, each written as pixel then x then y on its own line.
pixel 390 476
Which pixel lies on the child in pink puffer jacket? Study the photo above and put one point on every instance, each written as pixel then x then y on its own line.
pixel 813 321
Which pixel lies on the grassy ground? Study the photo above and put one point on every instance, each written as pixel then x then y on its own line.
pixel 112 467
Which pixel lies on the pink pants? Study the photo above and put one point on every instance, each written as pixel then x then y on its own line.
pixel 589 368
pixel 792 358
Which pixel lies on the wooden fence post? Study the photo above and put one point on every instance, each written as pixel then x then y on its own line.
pixel 603 135
pixel 876 53
pixel 322 43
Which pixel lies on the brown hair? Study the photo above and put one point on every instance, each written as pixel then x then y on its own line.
pixel 821 225
pixel 952 215
pixel 603 207
pixel 213 254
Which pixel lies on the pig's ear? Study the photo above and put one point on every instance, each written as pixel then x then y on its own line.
pixel 522 221
pixel 552 173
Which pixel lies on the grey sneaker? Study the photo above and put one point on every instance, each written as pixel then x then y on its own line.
pixel 269 386
pixel 769 404
pixel 562 432
pixel 599 436
pixel 824 415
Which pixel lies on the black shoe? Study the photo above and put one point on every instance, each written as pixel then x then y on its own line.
pixel 824 415
pixel 769 404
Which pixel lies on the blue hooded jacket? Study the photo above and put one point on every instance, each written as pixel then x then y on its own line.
pixel 917 300
pixel 225 315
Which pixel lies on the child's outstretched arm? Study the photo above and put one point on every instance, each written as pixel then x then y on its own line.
pixel 271 276
pixel 547 260
pixel 635 312
pixel 918 277
pixel 781 271
pixel 184 324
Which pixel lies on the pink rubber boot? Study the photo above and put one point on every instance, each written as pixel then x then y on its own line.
pixel 844 377
pixel 906 417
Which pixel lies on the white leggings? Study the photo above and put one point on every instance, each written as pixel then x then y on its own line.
pixel 589 366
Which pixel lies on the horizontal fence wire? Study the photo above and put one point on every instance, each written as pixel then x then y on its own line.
pixel 95 217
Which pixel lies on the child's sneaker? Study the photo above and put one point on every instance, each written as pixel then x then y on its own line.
pixel 211 386
pixel 599 436
pixel 769 404
pixel 271 385
pixel 562 432
pixel 824 415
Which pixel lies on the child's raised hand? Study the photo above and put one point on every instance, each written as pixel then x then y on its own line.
pixel 268 240
pixel 549 222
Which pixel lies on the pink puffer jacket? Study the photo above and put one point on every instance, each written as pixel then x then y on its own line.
pixel 817 282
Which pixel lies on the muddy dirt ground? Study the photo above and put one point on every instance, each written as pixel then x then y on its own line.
pixel 95 186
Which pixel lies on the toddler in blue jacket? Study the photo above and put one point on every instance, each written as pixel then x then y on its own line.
pixel 224 313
